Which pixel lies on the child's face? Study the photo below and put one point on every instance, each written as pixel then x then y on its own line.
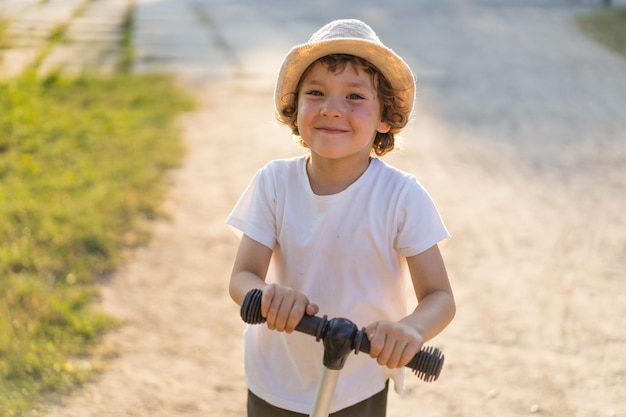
pixel 339 114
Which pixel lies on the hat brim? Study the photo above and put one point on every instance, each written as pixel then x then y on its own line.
pixel 300 57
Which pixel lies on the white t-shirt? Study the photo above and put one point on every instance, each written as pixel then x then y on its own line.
pixel 345 252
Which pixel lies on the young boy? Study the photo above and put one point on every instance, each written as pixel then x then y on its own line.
pixel 333 230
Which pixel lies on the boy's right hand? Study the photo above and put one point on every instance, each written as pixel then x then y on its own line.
pixel 284 307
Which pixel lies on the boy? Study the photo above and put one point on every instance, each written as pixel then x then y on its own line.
pixel 333 230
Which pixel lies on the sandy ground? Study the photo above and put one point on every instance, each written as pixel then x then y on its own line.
pixel 520 137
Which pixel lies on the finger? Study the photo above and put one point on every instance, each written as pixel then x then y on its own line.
pixel 295 315
pixel 266 299
pixel 283 313
pixel 273 313
pixel 377 339
pixel 407 354
pixel 298 310
pixel 397 356
pixel 370 330
pixel 291 310
pixel 386 352
pixel 312 309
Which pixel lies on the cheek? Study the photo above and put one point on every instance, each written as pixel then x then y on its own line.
pixel 303 113
pixel 366 116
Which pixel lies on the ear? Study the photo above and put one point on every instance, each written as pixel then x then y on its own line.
pixel 383 127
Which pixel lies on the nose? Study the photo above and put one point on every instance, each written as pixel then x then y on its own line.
pixel 331 107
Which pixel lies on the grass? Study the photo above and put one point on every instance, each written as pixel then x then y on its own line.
pixel 608 27
pixel 82 163
pixel 81 170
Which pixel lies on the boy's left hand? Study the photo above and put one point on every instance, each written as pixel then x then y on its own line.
pixel 393 344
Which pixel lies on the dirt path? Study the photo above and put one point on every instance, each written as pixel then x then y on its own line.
pixel 537 261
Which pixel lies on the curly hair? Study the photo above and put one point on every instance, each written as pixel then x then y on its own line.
pixel 394 111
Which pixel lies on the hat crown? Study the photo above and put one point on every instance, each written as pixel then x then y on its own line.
pixel 345 29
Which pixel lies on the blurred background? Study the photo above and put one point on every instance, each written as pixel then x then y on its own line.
pixel 519 134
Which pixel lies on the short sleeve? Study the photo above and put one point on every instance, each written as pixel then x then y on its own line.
pixel 254 213
pixel 420 225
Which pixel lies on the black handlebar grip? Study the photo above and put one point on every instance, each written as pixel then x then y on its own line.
pixel 251 314
pixel 426 364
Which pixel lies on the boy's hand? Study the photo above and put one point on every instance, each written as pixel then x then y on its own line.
pixel 393 344
pixel 284 307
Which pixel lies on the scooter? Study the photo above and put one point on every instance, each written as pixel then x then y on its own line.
pixel 340 337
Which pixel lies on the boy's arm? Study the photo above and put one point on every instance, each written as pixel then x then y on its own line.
pixel 394 344
pixel 249 269
pixel 282 307
pixel 436 307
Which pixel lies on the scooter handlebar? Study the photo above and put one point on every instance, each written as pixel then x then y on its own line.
pixel 426 364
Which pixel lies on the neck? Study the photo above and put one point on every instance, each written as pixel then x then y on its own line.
pixel 333 176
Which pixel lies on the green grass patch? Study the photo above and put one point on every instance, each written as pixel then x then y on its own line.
pixel 607 26
pixel 82 164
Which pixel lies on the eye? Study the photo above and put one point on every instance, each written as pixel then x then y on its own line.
pixel 355 96
pixel 314 93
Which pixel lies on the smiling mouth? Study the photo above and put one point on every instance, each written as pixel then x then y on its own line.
pixel 329 129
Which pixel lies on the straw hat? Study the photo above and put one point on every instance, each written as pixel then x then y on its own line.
pixel 347 36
